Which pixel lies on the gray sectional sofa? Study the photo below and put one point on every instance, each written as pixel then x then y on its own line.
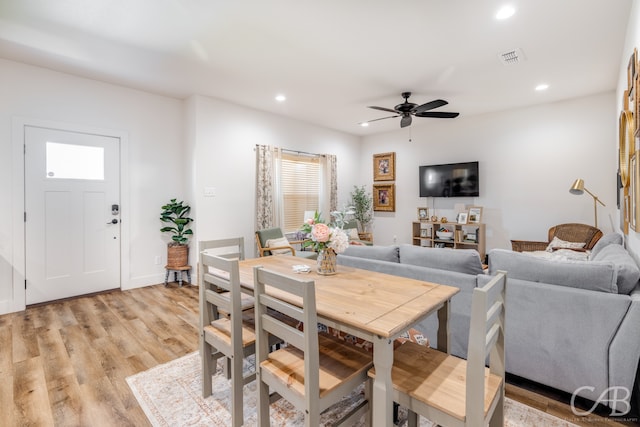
pixel 570 325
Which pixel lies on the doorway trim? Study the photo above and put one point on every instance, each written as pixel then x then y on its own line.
pixel 18 124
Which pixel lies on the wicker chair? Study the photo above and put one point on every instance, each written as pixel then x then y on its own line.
pixel 569 232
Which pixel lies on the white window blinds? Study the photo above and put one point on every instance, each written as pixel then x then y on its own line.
pixel 300 187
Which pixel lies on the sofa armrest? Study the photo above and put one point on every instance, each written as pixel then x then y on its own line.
pixel 528 245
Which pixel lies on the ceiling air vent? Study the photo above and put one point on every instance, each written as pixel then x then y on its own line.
pixel 511 57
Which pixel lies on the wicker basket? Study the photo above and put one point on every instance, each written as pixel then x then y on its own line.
pixel 177 256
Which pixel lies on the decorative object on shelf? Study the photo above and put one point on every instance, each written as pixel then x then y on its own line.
pixel 362 203
pixel 444 220
pixel 423 214
pixel 434 218
pixel 444 233
pixel 578 188
pixel 475 214
pixel 424 232
pixel 326 240
pixel 384 167
pixel 462 217
pixel 384 198
pixel 175 213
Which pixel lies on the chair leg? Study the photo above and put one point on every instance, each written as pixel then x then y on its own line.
pixel 237 386
pixel 264 417
pixel 412 419
pixel 497 418
pixel 368 395
pixel 208 369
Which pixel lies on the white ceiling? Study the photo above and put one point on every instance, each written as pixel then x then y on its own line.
pixel 331 58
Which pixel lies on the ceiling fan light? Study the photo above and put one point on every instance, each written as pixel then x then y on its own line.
pixel 364 124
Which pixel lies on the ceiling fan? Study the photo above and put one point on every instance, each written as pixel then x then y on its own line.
pixel 408 109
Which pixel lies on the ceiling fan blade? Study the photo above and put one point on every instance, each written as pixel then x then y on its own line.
pixel 438 114
pixel 382 118
pixel 430 105
pixel 383 109
pixel 406 121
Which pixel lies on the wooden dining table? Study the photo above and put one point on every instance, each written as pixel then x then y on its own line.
pixel 373 306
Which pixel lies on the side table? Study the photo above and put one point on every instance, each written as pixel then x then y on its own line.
pixel 177 274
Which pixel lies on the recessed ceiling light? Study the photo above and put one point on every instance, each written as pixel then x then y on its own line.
pixel 281 98
pixel 542 86
pixel 364 124
pixel 505 12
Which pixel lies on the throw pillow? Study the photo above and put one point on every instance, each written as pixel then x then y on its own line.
pixel 274 243
pixel 606 240
pixel 563 244
pixel 353 234
pixel 627 269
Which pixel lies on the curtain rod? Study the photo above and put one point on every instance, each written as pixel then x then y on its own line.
pixel 287 150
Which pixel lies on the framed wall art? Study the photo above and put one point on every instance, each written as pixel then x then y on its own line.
pixel 475 215
pixel 384 197
pixel 463 217
pixel 423 214
pixel 384 167
pixel 633 193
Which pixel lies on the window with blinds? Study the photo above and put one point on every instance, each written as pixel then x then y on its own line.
pixel 300 187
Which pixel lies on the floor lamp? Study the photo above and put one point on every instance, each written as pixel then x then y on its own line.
pixel 578 188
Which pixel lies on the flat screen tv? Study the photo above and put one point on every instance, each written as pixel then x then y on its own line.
pixel 450 180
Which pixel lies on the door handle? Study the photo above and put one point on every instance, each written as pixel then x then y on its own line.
pixel 113 221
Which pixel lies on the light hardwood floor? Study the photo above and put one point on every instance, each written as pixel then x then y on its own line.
pixel 65 363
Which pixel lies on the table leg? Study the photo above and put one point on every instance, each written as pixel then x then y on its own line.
pixel 166 278
pixel 443 327
pixel 382 405
pixel 189 276
pixel 180 278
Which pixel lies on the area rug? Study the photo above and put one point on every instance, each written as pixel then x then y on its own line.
pixel 170 395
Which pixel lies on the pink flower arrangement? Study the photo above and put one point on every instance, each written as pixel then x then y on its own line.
pixel 322 236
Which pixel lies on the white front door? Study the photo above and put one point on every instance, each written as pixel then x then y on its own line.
pixel 72 213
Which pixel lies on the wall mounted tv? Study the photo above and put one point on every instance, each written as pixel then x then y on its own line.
pixel 451 180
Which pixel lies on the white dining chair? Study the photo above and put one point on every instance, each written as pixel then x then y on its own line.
pixel 451 391
pixel 312 371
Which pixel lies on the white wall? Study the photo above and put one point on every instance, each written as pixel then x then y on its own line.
pixel 156 172
pixel 528 160
pixel 224 136
pixel 632 41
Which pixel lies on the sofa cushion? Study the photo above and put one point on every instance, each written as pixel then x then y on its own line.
pixel 628 272
pixel 380 253
pixel 606 240
pixel 588 275
pixel 459 260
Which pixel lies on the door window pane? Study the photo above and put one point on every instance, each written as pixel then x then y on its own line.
pixel 69 161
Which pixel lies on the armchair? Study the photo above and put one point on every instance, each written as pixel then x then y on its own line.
pixel 351 228
pixel 272 241
pixel 571 232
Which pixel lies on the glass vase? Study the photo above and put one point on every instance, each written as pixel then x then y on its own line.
pixel 327 262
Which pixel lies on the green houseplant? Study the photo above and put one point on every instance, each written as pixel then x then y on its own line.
pixel 176 214
pixel 362 203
